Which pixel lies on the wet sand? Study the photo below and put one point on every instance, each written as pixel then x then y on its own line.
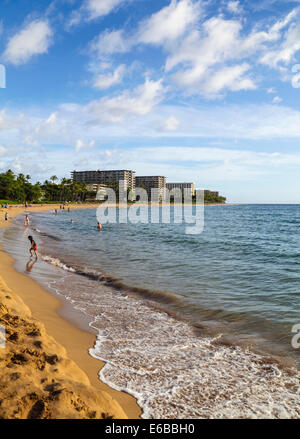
pixel 47 308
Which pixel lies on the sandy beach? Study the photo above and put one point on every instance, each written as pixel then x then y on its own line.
pixel 51 374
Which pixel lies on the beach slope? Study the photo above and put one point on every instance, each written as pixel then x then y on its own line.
pixel 37 378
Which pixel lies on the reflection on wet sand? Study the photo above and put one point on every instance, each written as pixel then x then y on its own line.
pixel 30 264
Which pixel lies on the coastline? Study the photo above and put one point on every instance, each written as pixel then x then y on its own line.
pixel 59 324
pixel 211 364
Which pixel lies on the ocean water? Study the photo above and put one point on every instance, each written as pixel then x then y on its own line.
pixel 191 325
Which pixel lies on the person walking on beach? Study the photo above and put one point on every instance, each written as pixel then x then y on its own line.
pixel 33 247
pixel 27 222
pixel 6 216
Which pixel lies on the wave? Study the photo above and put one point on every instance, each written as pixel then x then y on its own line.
pixel 48 235
pixel 160 296
pixel 58 263
pixel 204 321
pixel 173 372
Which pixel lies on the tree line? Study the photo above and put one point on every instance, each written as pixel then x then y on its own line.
pixel 18 188
pixel 213 197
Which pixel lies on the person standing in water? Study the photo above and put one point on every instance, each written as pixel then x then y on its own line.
pixel 33 247
pixel 99 225
pixel 27 222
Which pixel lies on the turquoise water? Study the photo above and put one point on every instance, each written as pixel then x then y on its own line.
pixel 243 268
pixel 156 289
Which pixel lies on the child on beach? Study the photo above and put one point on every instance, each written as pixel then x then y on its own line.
pixel 33 247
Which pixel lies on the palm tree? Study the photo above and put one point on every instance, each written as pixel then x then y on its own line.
pixel 64 189
pixel 53 179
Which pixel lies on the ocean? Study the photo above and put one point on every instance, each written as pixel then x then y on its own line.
pixel 193 326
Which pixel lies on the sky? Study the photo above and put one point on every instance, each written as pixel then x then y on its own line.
pixel 198 91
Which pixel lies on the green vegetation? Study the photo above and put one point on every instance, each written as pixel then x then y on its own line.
pixel 213 198
pixel 18 189
pixel 209 198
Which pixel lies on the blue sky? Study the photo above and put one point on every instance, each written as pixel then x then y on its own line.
pixel 203 91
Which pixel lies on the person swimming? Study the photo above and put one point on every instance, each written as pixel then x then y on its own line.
pixel 33 247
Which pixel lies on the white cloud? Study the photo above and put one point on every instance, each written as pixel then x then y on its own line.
pixel 277 100
pixel 284 53
pixel 33 39
pixel 110 42
pixel 209 164
pixel 99 8
pixel 217 155
pixel 140 102
pixel 200 50
pixel 235 7
pixel 164 26
pixel 81 144
pixel 171 124
pixel 92 9
pixel 150 119
pixel 2 150
pixel 169 23
pixel 104 81
pixel 8 122
pixel 231 78
pixel 204 57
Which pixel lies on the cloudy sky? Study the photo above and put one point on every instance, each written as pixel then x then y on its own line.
pixel 203 91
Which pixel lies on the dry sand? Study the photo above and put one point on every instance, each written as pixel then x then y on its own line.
pixel 51 374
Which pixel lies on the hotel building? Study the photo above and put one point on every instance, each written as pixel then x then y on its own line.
pixel 188 186
pixel 105 177
pixel 152 182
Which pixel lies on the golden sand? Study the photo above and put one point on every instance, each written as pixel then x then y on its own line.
pixel 46 371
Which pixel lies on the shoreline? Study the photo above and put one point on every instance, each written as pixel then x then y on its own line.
pixel 264 381
pixel 59 320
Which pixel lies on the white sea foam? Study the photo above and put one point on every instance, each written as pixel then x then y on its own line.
pixel 171 371
pixel 57 262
